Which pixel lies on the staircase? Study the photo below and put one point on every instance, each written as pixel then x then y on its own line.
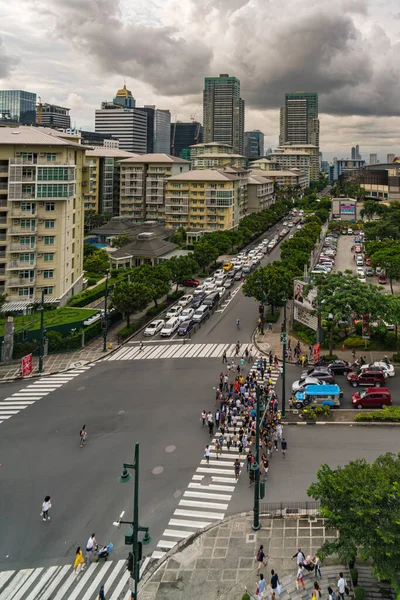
pixel 374 590
pixel 330 577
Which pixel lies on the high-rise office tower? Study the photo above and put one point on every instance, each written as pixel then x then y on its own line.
pixel 184 135
pixel 124 122
pixel 158 129
pixel 51 115
pixel 358 155
pixel 353 153
pixel 254 143
pixel 223 111
pixel 373 159
pixel 17 106
pixel 299 123
pixel 390 158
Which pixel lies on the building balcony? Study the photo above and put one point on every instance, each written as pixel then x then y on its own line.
pixel 177 210
pixel 155 200
pixel 21 247
pixel 3 203
pixel 17 298
pixel 17 213
pixel 17 265
pixel 21 281
pixel 22 231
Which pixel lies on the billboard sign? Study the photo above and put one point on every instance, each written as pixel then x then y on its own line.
pixel 26 365
pixel 347 209
pixel 304 305
pixel 317 352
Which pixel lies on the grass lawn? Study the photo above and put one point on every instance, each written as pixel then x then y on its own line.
pixel 59 316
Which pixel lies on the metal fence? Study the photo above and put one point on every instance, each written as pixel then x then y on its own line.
pixel 289 509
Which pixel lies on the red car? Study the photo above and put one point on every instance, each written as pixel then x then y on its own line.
pixel 191 282
pixel 371 398
pixel 382 279
pixel 358 250
pixel 369 377
pixel 368 262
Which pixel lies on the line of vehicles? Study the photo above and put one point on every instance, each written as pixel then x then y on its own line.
pixel 317 385
pixel 326 259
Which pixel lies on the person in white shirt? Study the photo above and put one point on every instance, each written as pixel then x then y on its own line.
pixel 91 544
pixel 341 585
pixel 207 455
pixel 45 508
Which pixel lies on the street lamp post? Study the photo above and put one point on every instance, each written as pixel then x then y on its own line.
pixel 105 323
pixel 256 466
pixel 41 342
pixel 262 313
pixel 284 343
pixel 132 537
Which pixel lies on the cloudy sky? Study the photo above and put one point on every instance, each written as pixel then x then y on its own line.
pixel 78 52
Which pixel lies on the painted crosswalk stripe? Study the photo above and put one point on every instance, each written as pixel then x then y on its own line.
pixel 198 514
pixel 188 523
pixel 114 574
pixel 18 581
pixel 166 544
pixel 17 403
pixel 201 504
pixel 206 495
pixel 76 593
pixel 54 584
pixel 211 486
pixel 95 584
pixel 28 584
pixel 121 584
pixel 157 554
pixel 4 577
pixel 177 533
pixel 10 412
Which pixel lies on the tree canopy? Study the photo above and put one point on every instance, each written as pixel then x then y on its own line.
pixel 270 283
pixel 181 268
pixel 130 297
pixel 362 501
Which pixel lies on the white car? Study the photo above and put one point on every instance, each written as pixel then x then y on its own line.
pixel 298 227
pixel 221 291
pixel 186 315
pixel 361 277
pixel 185 300
pixel 218 272
pixel 260 256
pixel 285 223
pixel 388 369
pixel 154 327
pixel 300 384
pixel 209 280
pixel 174 311
pixel 170 327
pixel 210 288
pixel 198 290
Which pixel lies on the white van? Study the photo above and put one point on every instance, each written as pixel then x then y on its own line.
pixel 200 313
pixel 170 327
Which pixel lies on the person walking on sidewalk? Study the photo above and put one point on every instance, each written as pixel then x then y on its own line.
pixel 203 418
pixel 260 558
pixel 317 568
pixel 224 359
pixel 102 595
pixel 236 466
pixel 261 587
pixel 249 460
pixel 300 577
pixel 83 436
pixel 46 506
pixel 284 447
pixel 341 584
pixel 274 583
pixel 79 563
pixel 207 455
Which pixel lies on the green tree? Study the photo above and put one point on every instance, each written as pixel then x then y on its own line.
pixel 389 259
pixel 88 250
pixel 179 237
pixel 362 502
pixel 205 253
pixel 342 296
pixel 120 240
pixel 373 208
pixel 392 315
pixel 130 297
pixel 155 278
pixel 98 262
pixel 94 220
pixel 182 268
pixel 269 284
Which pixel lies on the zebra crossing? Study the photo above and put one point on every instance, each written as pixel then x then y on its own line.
pixel 207 497
pixel 178 350
pixel 36 390
pixel 61 583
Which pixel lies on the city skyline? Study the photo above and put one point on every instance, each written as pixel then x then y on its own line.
pixel 86 66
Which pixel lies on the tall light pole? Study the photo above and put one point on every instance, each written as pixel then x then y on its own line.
pixel 132 536
pixel 284 343
pixel 42 332
pixel 256 466
pixel 105 321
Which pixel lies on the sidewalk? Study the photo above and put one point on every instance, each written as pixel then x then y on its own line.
pixel 219 562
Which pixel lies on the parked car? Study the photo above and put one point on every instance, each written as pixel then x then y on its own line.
pixel 350 231
pixel 191 282
pixel 154 327
pixel 383 366
pixel 201 313
pixel 371 398
pixel 185 327
pixel 186 315
pixel 344 232
pixel 382 279
pixel 185 300
pixel 360 261
pixel 369 271
pixel 198 300
pixel 338 367
pixel 368 262
pixel 361 277
pixel 174 311
pixel 170 327
pixel 300 384
pixel 366 377
pixel 358 250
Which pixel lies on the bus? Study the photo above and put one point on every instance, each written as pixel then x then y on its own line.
pixel 319 395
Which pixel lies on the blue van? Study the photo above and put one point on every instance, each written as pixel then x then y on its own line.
pixel 319 395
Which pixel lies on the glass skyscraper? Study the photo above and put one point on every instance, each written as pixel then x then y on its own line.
pixel 17 106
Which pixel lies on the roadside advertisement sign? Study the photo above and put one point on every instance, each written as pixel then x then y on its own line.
pixel 347 209
pixel 26 365
pixel 365 331
pixel 317 352
pixel 304 305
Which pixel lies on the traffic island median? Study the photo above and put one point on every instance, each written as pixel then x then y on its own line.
pixel 337 416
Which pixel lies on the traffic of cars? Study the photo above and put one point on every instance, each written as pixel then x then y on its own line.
pixel 317 385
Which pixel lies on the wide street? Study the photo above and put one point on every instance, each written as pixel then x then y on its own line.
pixel 156 402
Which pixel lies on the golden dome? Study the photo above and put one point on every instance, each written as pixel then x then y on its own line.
pixel 124 92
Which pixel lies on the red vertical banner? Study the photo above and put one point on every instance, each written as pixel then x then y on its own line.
pixel 26 365
pixel 365 327
pixel 317 352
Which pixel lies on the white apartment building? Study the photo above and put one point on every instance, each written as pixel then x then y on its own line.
pixel 288 159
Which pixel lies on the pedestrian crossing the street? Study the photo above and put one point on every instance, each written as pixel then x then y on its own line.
pixel 207 497
pixel 61 583
pixel 177 350
pixel 37 389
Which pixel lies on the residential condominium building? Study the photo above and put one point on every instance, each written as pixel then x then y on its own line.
pixel 210 148
pixel 288 159
pixel 292 178
pixel 122 121
pixel 263 164
pixel 205 200
pixel 41 215
pixel 143 182
pixel 17 106
pixel 219 160
pixel 223 111
pixel 260 192
pixel 310 149
pixel 254 143
pixel 102 189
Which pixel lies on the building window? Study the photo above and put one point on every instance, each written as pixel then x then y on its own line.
pixel 51 157
pixel 47 291
pixel 49 224
pixel 50 206
pixel 23 292
pixel 48 240
pixel 48 274
pixel 48 256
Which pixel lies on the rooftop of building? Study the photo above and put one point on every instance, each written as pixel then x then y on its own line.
pixel 156 158
pixel 291 173
pixel 36 136
pixel 124 93
pixel 203 175
pixel 288 152
pixel 100 151
pixel 236 170
pixel 256 179
pixel 287 145
pixel 262 160
pixel 127 225
pixel 218 155
pixel 210 144
pixel 146 245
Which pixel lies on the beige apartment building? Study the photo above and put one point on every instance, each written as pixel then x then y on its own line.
pixel 260 192
pixel 102 181
pixel 284 178
pixel 288 159
pixel 41 215
pixel 210 148
pixel 205 200
pixel 310 149
pixel 143 181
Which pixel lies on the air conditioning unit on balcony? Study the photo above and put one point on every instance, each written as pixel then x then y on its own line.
pixel 41 203
pixel 18 154
pixel 41 220
pixel 39 255
pixel 42 154
pixel 39 272
pixel 40 238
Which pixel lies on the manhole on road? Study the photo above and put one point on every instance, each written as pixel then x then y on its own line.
pixel 157 470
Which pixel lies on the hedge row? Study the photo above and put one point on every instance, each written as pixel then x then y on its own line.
pixel 389 414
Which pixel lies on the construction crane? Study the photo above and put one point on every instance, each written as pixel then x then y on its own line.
pixel 39 117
